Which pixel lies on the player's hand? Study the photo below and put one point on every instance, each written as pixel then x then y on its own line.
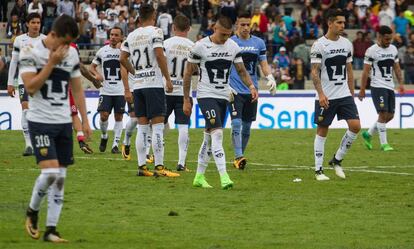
pixel 401 89
pixel 11 91
pixel 99 78
pixel 232 94
pixel 323 101
pixel 97 83
pixel 361 94
pixel 271 83
pixel 187 106
pixel 254 93
pixel 128 96
pixel 169 86
pixel 87 131
pixel 56 56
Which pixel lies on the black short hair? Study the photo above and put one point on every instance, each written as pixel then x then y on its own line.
pixel 385 30
pixel 182 23
pixel 244 15
pixel 225 22
pixel 116 27
pixel 65 25
pixel 146 11
pixel 32 16
pixel 332 14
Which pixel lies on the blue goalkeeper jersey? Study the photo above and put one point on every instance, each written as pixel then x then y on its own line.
pixel 252 50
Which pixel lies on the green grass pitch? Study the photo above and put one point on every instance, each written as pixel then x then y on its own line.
pixel 107 206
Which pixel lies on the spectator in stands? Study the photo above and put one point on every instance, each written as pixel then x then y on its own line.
pixel 401 25
pixel 122 23
pixel 101 27
pixel 112 20
pixel 35 7
pixel 101 5
pixel 82 8
pixel 326 4
pixel 85 30
pixel 66 7
pixel 279 36
pixel 409 65
pixel 361 43
pixel 349 14
pixel 49 15
pixel 3 11
pixel 228 8
pixel 14 27
pixel 112 12
pixel 400 43
pixel 164 21
pixel 92 12
pixel 298 71
pixel 131 24
pixel 373 21
pixel 135 6
pixel 207 24
pixel 255 30
pixel 302 52
pixel 361 7
pixel 20 9
pixel 386 15
pixel 184 8
pixel 282 62
pixel 121 7
pixel 288 19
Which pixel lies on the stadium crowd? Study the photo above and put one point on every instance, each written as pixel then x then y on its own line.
pixel 284 29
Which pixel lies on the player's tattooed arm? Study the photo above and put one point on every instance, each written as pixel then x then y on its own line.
pixel 245 77
pixel 85 72
pixel 323 100
pixel 123 59
pixel 364 80
pixel 398 74
pixel 127 91
pixel 350 74
pixel 190 68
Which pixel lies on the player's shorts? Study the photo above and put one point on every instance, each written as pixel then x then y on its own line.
pixel 107 102
pixel 73 108
pixel 23 94
pixel 243 108
pixel 214 111
pixel 52 141
pixel 384 99
pixel 149 102
pixel 175 103
pixel 131 105
pixel 344 108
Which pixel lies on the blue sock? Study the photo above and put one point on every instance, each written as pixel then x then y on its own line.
pixel 236 137
pixel 245 134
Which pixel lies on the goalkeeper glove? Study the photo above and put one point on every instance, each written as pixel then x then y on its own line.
pixel 271 83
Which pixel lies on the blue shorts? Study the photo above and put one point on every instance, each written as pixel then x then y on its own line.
pixel 175 103
pixel 243 108
pixel 384 99
pixel 149 102
pixel 107 102
pixel 214 111
pixel 52 142
pixel 344 108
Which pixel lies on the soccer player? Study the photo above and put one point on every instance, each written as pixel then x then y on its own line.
pixel 242 109
pixel 145 47
pixel 214 55
pixel 112 91
pixel 127 80
pixel 33 22
pixel 331 59
pixel 177 49
pixel 48 68
pixel 383 59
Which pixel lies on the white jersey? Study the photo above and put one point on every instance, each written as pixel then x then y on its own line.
pixel 50 105
pixel 177 50
pixel 20 42
pixel 215 62
pixel 164 22
pixel 140 45
pixel 108 58
pixel 101 28
pixel 382 61
pixel 333 57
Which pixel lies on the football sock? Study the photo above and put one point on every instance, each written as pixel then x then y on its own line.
pixel 236 127
pixel 25 128
pixel 104 128
pixel 245 134
pixel 218 151
pixel 117 133
pixel 80 136
pixel 149 141
pixel 141 143
pixel 346 143
pixel 382 131
pixel 43 181
pixel 204 154
pixel 129 130
pixel 157 143
pixel 55 199
pixel 319 150
pixel 183 140
pixel 373 129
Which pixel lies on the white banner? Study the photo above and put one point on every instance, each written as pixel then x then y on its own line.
pixel 287 110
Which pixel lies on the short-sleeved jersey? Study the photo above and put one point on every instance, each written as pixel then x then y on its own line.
pixel 177 50
pixel 382 61
pixel 333 57
pixel 140 45
pixel 20 42
pixel 101 28
pixel 108 59
pixel 253 50
pixel 51 103
pixel 215 61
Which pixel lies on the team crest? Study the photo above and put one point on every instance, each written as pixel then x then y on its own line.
pixel 43 152
pixel 212 121
pixel 382 105
pixel 320 118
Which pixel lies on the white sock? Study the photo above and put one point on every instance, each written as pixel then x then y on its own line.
pixel 373 129
pixel 204 154
pixel 218 151
pixel 319 151
pixel 129 130
pixel 25 128
pixel 117 133
pixel 346 143
pixel 149 141
pixel 55 199
pixel 104 128
pixel 183 140
pixel 141 144
pixel 45 179
pixel 157 143
pixel 382 132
